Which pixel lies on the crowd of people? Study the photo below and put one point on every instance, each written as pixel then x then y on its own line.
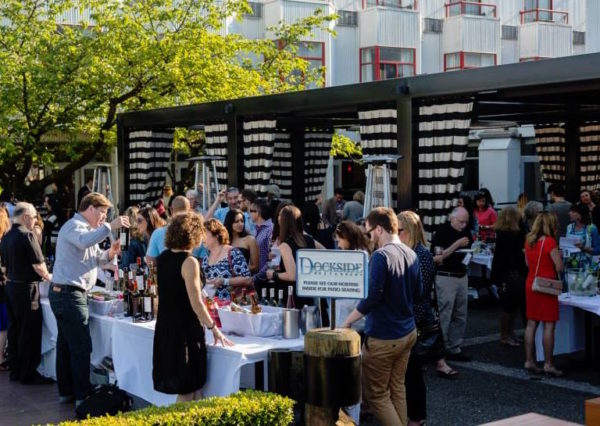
pixel 251 243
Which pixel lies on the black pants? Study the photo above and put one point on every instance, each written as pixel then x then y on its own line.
pixel 416 404
pixel 24 331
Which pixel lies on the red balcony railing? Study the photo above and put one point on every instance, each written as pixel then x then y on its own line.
pixel 544 15
pixel 470 8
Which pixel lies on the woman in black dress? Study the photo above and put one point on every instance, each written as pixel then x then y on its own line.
pixel 240 238
pixel 292 238
pixel 179 355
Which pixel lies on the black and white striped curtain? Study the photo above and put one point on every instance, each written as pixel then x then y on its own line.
pixel 216 144
pixel 550 147
pixel 148 153
pixel 379 136
pixel 589 138
pixel 443 134
pixel 259 136
pixel 282 164
pixel 317 146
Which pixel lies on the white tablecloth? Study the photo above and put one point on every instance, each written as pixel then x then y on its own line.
pixel 130 345
pixel 483 259
pixel 590 304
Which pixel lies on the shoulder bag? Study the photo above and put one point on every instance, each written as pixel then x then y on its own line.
pixel 545 285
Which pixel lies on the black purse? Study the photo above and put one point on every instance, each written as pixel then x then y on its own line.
pixel 430 342
pixel 104 399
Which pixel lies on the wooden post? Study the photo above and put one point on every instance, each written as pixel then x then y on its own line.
pixel 592 411
pixel 328 348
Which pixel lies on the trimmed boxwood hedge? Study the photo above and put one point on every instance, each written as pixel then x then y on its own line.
pixel 242 408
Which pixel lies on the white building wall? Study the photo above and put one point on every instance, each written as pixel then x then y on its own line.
pixel 345 56
pixel 389 27
pixel 508 11
pixel 578 49
pixel 509 52
pixel 471 34
pixel 592 27
pixel 431 53
pixel 545 40
pixel 250 27
pixel 432 8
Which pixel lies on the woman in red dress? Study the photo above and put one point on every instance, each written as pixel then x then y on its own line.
pixel 486 217
pixel 542 307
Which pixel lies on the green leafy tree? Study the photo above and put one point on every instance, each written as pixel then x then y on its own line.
pixel 62 86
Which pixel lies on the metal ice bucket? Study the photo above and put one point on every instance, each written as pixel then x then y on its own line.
pixel 291 329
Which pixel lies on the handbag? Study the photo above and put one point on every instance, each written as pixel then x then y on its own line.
pixel 102 400
pixel 545 285
pixel 430 342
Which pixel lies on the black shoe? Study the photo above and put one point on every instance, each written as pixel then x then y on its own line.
pixel 38 380
pixel 460 356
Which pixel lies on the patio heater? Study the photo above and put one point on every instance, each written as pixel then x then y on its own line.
pixel 378 189
pixel 205 173
pixel 102 184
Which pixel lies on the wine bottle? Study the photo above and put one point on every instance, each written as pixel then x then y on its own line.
pixel 280 299
pixel 272 300
pixel 124 238
pixel 139 275
pixel 290 299
pixel 256 309
pixel 263 300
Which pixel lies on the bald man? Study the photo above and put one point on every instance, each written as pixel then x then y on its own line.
pixel 156 245
pixel 451 281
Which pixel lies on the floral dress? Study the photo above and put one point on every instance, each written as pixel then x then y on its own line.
pixel 234 265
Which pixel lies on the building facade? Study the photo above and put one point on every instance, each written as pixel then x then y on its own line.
pixel 380 39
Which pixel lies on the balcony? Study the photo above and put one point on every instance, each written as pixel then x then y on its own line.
pixel 390 27
pixel 397 4
pixel 544 15
pixel 471 27
pixel 470 8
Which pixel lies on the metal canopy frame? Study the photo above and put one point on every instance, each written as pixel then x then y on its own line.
pixel 547 91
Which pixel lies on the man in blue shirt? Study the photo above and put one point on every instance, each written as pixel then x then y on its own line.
pixel 233 202
pixel 394 282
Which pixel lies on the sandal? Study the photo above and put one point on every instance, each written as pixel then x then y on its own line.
pixel 509 342
pixel 553 372
pixel 448 374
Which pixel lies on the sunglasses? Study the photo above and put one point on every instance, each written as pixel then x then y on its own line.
pixel 368 233
pixel 140 220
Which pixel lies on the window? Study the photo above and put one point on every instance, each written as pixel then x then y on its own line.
pixel 466 60
pixel 432 25
pixel 398 4
pixel 257 10
pixel 347 18
pixel 381 63
pixel 578 37
pixel 313 52
pixel 542 11
pixel 472 7
pixel 510 32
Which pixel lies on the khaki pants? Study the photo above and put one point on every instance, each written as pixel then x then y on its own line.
pixel 383 369
pixel 452 303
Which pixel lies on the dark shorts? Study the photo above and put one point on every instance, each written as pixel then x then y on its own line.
pixel 3 317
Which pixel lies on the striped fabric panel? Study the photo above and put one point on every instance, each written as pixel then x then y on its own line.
pixel 443 137
pixel 317 146
pixel 259 139
pixel 589 138
pixel 550 147
pixel 216 144
pixel 149 153
pixel 281 174
pixel 379 136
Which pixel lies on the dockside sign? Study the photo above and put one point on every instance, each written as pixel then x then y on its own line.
pixel 331 273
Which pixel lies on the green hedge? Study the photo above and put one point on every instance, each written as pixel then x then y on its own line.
pixel 242 408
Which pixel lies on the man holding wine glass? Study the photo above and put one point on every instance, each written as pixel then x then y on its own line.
pixel 78 257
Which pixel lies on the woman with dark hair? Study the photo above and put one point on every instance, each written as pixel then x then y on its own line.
pixel 509 271
pixel 179 354
pixel 147 221
pixel 486 216
pixel 543 259
pixel 225 267
pixel 235 223
pixel 315 227
pixel 467 202
pixel 292 238
pixel 582 228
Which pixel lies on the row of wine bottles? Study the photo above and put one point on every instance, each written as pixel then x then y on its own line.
pixel 278 302
pixel 140 292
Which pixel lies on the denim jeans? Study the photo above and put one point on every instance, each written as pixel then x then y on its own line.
pixel 74 344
